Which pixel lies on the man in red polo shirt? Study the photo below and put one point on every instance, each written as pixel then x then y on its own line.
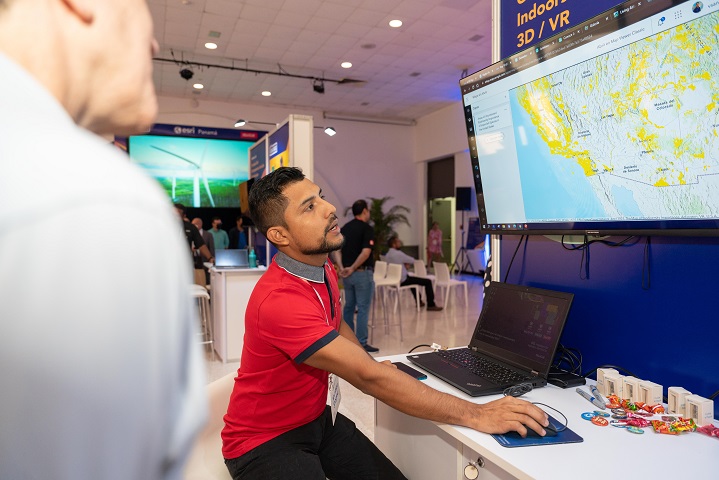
pixel 278 424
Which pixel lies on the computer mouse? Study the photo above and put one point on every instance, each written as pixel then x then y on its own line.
pixel 551 431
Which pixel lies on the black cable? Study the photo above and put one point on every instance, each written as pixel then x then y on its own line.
pixel 517 390
pixel 568 360
pixel 515 254
pixel 566 420
pixel 417 346
pixel 625 242
pixel 646 267
pixel 610 366
pixel 713 395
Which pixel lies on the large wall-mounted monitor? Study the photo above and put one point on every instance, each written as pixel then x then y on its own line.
pixel 611 127
pixel 196 166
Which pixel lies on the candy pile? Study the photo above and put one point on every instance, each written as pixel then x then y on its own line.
pixel 636 416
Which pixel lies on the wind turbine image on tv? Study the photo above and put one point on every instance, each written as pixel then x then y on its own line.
pixel 198 172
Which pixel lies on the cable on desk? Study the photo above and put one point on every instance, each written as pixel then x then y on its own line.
pixel 568 359
pixel 517 390
pixel 418 346
pixel 616 367
pixel 566 421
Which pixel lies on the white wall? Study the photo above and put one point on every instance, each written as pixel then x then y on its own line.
pixel 362 160
pixel 441 134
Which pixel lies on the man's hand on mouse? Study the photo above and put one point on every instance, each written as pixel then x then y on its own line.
pixel 510 414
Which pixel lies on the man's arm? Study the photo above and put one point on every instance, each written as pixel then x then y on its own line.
pixel 345 358
pixel 361 258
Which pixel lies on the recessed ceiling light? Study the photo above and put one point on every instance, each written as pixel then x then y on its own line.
pixel 266 93
pixel 210 45
pixel 346 64
pixel 395 23
pixel 198 86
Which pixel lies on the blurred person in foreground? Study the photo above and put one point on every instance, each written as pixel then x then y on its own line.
pixel 101 377
pixel 278 423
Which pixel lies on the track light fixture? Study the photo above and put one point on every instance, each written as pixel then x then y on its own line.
pixel 242 122
pixel 186 73
pixel 318 85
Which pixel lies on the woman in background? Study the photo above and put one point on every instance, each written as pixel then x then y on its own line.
pixel 434 244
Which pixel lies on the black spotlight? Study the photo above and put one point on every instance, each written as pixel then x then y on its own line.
pixel 186 73
pixel 318 86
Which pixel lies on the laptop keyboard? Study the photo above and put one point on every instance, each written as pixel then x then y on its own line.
pixel 483 367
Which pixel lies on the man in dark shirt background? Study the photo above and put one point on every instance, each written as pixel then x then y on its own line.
pixel 356 268
pixel 194 239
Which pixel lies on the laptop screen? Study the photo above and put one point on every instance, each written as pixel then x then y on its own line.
pixel 521 325
pixel 237 258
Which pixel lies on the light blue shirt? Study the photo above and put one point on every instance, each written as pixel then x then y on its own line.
pixel 222 240
pixel 398 256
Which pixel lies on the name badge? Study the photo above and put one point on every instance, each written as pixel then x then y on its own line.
pixel 334 395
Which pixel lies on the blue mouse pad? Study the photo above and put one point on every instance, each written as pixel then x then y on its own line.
pixel 513 439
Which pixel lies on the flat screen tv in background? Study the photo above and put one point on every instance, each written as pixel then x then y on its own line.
pixel 196 166
pixel 610 127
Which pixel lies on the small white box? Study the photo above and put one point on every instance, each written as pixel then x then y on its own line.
pixel 700 409
pixel 675 400
pixel 650 393
pixel 630 388
pixel 614 384
pixel 601 372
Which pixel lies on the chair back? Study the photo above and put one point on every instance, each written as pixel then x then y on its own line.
pixel 380 270
pixel 441 270
pixel 394 274
pixel 420 270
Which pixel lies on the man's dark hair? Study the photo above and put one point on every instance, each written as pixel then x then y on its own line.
pixel 178 206
pixel 216 218
pixel 358 207
pixel 267 202
pixel 238 218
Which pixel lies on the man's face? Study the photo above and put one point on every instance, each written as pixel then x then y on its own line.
pixel 216 223
pixel 312 225
pixel 197 223
pixel 239 224
pixel 122 95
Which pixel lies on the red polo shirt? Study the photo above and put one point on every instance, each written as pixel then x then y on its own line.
pixel 290 316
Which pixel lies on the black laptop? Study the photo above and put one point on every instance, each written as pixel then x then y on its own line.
pixel 514 342
pixel 232 258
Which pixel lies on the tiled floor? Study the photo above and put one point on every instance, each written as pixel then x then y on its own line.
pixel 453 326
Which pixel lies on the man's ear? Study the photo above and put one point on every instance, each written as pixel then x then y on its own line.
pixel 278 236
pixel 83 9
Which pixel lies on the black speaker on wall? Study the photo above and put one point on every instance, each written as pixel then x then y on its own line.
pixel 464 198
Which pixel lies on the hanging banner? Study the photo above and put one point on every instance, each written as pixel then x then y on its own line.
pixel 525 22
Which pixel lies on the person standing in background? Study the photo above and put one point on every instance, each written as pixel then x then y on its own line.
pixel 198 254
pixel 222 241
pixel 101 376
pixel 238 238
pixel 206 236
pixel 356 268
pixel 434 244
